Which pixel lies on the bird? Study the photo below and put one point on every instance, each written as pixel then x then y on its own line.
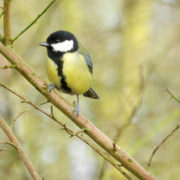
pixel 69 66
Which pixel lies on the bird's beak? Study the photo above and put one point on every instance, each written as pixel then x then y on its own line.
pixel 44 44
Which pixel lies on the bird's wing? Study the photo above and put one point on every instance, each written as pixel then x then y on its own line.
pixel 91 93
pixel 87 57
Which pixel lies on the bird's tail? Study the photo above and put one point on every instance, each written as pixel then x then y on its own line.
pixel 91 94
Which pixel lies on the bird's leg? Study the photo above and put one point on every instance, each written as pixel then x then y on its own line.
pixel 51 87
pixel 77 108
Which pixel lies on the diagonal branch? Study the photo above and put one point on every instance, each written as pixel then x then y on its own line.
pixel 34 21
pixel 101 139
pixel 173 96
pixel 15 143
pixel 161 143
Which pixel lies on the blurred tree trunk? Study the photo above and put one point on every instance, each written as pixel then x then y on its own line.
pixel 135 33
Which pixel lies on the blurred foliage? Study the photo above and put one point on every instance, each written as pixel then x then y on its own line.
pixel 135 50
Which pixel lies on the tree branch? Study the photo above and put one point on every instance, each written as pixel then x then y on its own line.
pixel 68 130
pixel 34 21
pixel 173 96
pixel 7 29
pixel 15 143
pixel 101 139
pixel 161 143
pixel 14 120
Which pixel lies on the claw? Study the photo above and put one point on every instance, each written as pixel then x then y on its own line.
pixel 76 109
pixel 51 87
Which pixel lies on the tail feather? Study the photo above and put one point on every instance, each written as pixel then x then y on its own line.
pixel 91 94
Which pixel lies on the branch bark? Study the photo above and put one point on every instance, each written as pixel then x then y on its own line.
pixel 7 29
pixel 101 139
pixel 14 142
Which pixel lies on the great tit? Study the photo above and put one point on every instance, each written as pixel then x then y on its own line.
pixel 69 66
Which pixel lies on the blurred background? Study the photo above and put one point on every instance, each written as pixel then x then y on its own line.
pixel 135 47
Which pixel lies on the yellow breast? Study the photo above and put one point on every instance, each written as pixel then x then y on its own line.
pixel 76 72
pixel 53 73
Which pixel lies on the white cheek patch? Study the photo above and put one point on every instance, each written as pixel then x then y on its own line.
pixel 64 46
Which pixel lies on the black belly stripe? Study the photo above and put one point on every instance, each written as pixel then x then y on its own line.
pixel 64 86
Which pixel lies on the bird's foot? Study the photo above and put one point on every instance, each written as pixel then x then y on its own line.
pixel 51 87
pixel 76 110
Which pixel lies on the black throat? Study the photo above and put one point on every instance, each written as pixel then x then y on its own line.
pixel 57 58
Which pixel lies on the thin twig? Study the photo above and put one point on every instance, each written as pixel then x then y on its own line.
pixel 8 66
pixel 14 120
pixel 173 96
pixel 10 90
pixel 9 143
pixel 41 110
pixel 15 143
pixel 7 29
pixel 52 112
pixel 68 130
pixel 46 102
pixel 34 21
pixel 1 14
pixel 160 144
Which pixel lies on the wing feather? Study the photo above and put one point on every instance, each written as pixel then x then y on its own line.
pixel 87 57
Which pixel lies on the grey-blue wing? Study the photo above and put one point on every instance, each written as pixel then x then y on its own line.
pixel 89 62
pixel 87 58
pixel 90 92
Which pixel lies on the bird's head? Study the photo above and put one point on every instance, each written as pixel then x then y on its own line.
pixel 59 43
